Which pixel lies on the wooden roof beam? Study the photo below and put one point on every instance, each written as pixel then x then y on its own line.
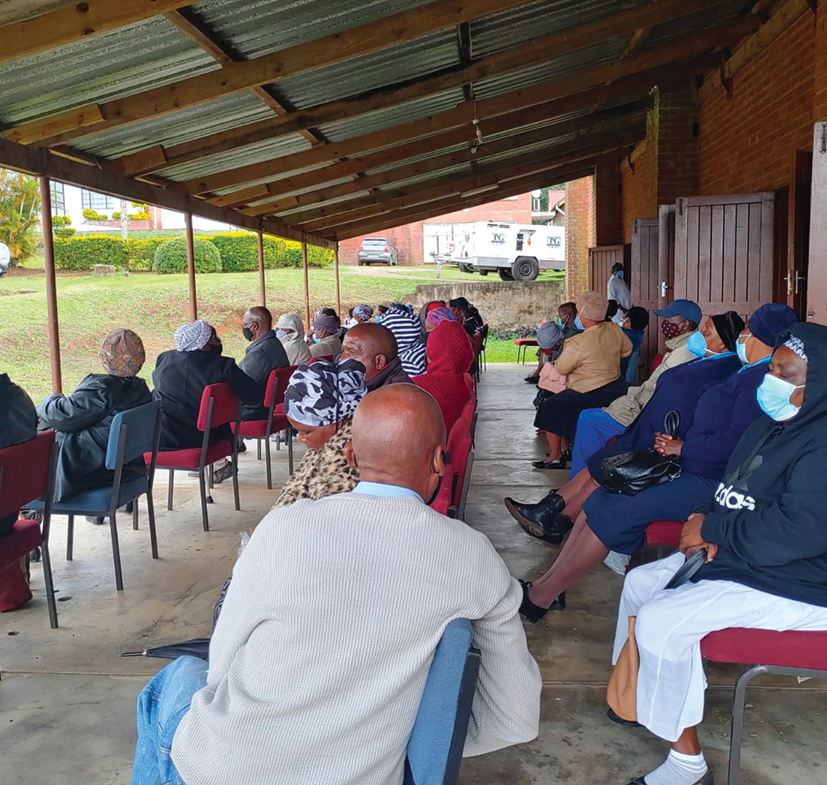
pixel 550 46
pixel 688 47
pixel 363 39
pixel 636 41
pixel 76 21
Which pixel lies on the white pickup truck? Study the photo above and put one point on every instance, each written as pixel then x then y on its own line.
pixel 516 252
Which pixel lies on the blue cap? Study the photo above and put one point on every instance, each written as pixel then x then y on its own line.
pixel 686 308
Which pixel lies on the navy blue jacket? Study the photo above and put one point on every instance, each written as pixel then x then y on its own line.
pixel 767 516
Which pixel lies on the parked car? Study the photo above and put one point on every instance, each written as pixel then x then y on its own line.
pixel 377 249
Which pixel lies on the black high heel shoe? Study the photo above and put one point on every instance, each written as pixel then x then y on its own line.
pixel 533 613
pixel 559 463
pixel 543 520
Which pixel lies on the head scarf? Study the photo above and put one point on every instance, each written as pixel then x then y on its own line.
pixel 729 326
pixel 325 393
pixel 458 315
pixel 439 315
pixel 193 336
pixel 407 330
pixel 768 321
pixel 549 335
pixel 325 323
pixel 796 345
pixel 592 306
pixel 449 349
pixel 289 321
pixel 363 312
pixel 122 353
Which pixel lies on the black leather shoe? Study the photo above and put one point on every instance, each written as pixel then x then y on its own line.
pixel 615 717
pixel 532 379
pixel 536 518
pixel 566 454
pixel 558 529
pixel 533 613
pixel 559 463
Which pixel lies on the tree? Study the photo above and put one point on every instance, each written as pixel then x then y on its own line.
pixel 19 214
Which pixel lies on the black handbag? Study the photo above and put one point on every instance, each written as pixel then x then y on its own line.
pixel 632 472
pixel 688 569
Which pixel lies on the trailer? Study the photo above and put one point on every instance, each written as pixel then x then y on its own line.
pixel 516 252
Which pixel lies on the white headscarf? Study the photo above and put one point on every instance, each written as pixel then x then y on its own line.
pixel 193 336
pixel 298 352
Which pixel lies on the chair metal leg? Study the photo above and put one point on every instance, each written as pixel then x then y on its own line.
pixel 46 560
pixel 269 469
pixel 202 483
pixel 116 552
pixel 70 537
pixel 290 452
pixel 169 492
pixel 153 537
pixel 135 515
pixel 258 449
pixel 236 498
pixel 212 476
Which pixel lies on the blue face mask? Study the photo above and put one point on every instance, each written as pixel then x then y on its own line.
pixel 774 398
pixel 281 335
pixel 741 350
pixel 378 318
pixel 560 322
pixel 315 338
pixel 577 323
pixel 619 273
pixel 697 345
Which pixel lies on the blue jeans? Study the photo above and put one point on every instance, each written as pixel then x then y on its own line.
pixel 595 429
pixel 161 705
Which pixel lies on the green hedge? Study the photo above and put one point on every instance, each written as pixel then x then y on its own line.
pixel 66 232
pixel 239 252
pixel 171 256
pixel 83 253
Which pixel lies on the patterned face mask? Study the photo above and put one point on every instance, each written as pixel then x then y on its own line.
pixel 671 330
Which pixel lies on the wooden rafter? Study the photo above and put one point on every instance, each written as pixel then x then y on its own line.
pixel 364 39
pixel 466 56
pixel 75 21
pixel 554 45
pixel 687 47
pixel 43 162
pixel 636 41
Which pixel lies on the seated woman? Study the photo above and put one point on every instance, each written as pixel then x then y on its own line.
pixel 427 308
pixel 319 403
pixel 325 336
pixel 362 314
pixel 766 543
pixel 473 321
pixel 290 331
pixel 438 315
pixel 634 328
pixel 409 333
pixel 591 361
pixel 447 379
pixel 82 420
pixel 708 432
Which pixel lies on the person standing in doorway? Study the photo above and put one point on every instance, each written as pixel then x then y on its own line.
pixel 618 290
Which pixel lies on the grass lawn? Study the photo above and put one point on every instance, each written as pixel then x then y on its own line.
pixel 155 305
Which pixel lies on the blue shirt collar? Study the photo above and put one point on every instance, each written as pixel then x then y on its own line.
pixel 385 491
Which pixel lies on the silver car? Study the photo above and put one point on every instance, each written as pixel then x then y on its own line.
pixel 377 249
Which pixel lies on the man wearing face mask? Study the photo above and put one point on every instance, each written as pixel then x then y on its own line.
pixel 264 354
pixel 180 377
pixel 375 347
pixel 618 290
pixel 324 336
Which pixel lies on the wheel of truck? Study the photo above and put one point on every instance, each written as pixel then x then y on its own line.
pixel 466 268
pixel 525 268
pixel 505 275
pixel 483 272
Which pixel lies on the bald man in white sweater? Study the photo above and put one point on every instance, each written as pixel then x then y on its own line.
pixel 320 656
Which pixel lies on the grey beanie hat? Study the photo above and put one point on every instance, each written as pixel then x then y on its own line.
pixel 549 334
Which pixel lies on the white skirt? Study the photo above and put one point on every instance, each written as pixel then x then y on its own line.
pixel 669 628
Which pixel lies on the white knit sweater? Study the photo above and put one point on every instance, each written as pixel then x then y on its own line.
pixel 320 656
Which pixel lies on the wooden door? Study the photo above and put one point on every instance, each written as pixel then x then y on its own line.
pixel 798 236
pixel 601 260
pixel 817 270
pixel 645 286
pixel 724 251
pixel 666 261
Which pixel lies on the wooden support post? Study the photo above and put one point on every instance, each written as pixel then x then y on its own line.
pixel 51 284
pixel 338 282
pixel 191 267
pixel 261 283
pixel 306 287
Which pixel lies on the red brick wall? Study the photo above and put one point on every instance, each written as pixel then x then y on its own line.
pixel 580 234
pixel 639 200
pixel 820 70
pixel 409 237
pixel 608 206
pixel 677 149
pixel 747 140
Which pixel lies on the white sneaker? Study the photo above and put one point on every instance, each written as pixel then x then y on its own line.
pixel 617 562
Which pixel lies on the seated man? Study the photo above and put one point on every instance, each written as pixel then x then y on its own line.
pixel 264 354
pixel 766 543
pixel 375 347
pixel 319 660
pixel 325 334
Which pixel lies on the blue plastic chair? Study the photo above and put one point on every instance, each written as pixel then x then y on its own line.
pixel 133 433
pixel 438 737
pixel 630 369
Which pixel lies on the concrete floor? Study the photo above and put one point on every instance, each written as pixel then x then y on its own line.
pixel 67 699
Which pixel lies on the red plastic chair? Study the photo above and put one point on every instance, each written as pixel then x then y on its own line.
pixel 461 453
pixel 792 653
pixel 470 414
pixel 656 361
pixel 219 406
pixel 27 472
pixel 664 534
pixel 523 345
pixel 261 430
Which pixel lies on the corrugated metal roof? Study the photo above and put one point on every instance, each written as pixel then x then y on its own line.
pixel 17 10
pixel 506 29
pixel 107 66
pixel 178 127
pixel 669 31
pixel 257 27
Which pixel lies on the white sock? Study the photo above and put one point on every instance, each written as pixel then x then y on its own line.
pixel 678 769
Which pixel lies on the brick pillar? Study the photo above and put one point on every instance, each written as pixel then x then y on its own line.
pixel 820 69
pixel 609 206
pixel 674 137
pixel 580 234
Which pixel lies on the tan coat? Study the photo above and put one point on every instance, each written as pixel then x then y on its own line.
pixel 592 359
